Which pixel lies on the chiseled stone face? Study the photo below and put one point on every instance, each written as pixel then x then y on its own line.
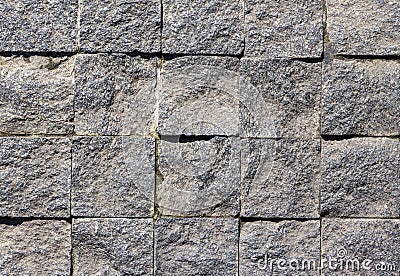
pixel 35 177
pixel 361 97
pixel 112 246
pixel 360 178
pixel 196 246
pixel 35 247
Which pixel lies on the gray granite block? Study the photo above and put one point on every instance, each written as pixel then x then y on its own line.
pixel 196 246
pixel 113 177
pixel 360 178
pixel 35 177
pixel 112 246
pixel 203 27
pixel 115 95
pixel 361 98
pixel 36 95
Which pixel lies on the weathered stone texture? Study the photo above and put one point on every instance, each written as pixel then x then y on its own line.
pixel 196 246
pixel 115 95
pixel 360 178
pixel 36 95
pixel 35 248
pixel 113 177
pixel 112 246
pixel 284 28
pixel 280 98
pixel 35 177
pixel 361 98
pixel 120 26
pixel 203 27
pixel 280 178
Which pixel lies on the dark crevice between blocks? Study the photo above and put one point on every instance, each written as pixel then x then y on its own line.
pixel 309 60
pixel 351 136
pixel 189 138
pixel 168 56
pixel 18 221
pixel 255 219
pixel 366 57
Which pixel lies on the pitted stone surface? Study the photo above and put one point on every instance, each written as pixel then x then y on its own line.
pixel 112 246
pixel 280 98
pixel 196 246
pixel 284 28
pixel 35 177
pixel 36 95
pixel 280 178
pixel 264 244
pixel 113 177
pixel 360 178
pixel 361 98
pixel 120 26
pixel 40 247
pixel 203 27
pixel 115 95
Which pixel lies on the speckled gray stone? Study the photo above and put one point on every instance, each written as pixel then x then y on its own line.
pixel 112 246
pixel 199 96
pixel 284 28
pixel 113 177
pixel 203 27
pixel 361 247
pixel 120 26
pixel 38 26
pixel 280 178
pixel 115 95
pixel 279 248
pixel 361 177
pixel 199 177
pixel 35 177
pixel 36 95
pixel 361 98
pixel 40 247
pixel 364 27
pixel 196 246
pixel 280 98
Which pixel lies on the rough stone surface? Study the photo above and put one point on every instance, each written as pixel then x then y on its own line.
pixel 199 96
pixel 203 27
pixel 361 98
pixel 112 246
pixel 364 27
pixel 280 98
pixel 36 95
pixel 199 177
pixel 35 177
pixel 120 26
pixel 279 248
pixel 196 246
pixel 113 176
pixel 361 177
pixel 115 95
pixel 35 248
pixel 38 26
pixel 284 28
pixel 280 178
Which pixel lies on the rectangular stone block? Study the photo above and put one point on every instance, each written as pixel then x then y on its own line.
pixel 203 27
pixel 363 27
pixel 112 246
pixel 113 177
pixel 360 178
pixel 38 26
pixel 279 98
pixel 277 29
pixel 115 95
pixel 280 179
pixel 196 246
pixel 36 95
pixel 39 247
pixel 120 26
pixel 35 177
pixel 279 248
pixel 361 98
